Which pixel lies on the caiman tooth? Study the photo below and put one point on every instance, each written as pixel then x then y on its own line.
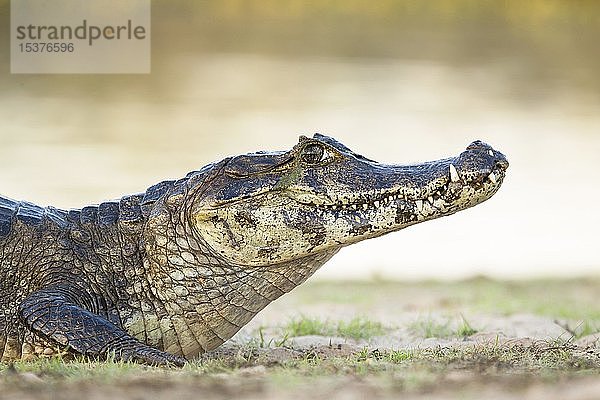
pixel 365 206
pixel 430 199
pixel 419 204
pixel 376 203
pixel 454 177
pixel 492 177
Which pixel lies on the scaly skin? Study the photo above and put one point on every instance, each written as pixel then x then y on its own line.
pixel 163 276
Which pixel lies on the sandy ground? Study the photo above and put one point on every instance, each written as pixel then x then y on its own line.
pixel 283 368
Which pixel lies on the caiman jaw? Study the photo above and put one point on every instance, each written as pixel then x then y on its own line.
pixel 402 198
pixel 454 184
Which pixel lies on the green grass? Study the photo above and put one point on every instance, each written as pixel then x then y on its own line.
pixel 555 355
pixel 305 326
pixel 542 356
pixel 465 329
pixel 360 328
pixel 579 329
pixel 356 328
pixel 568 299
pixel 572 299
pixel 269 364
pixel 429 327
pixel 262 342
pixel 398 356
pixel 587 328
pixel 419 368
pixel 81 368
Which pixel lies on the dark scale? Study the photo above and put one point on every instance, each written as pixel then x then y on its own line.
pixel 7 214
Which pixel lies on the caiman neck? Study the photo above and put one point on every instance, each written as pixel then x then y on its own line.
pixel 206 299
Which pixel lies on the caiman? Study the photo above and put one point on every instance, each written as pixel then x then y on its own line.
pixel 163 276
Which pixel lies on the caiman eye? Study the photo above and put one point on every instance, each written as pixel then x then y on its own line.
pixel 313 153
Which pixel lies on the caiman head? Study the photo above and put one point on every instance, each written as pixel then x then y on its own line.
pixel 271 208
pixel 227 240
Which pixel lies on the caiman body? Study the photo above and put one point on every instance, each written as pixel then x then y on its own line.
pixel 168 274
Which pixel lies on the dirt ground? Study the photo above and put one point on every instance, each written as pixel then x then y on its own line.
pixel 454 387
pixel 463 340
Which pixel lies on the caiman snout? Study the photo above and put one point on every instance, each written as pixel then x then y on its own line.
pixel 496 157
pixel 477 163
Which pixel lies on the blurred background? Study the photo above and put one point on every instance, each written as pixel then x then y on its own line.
pixel 397 81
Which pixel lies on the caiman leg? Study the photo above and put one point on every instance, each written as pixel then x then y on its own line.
pixel 53 314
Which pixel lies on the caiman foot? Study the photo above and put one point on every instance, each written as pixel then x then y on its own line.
pixel 52 313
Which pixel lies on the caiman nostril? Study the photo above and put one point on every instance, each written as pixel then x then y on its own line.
pixel 501 162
